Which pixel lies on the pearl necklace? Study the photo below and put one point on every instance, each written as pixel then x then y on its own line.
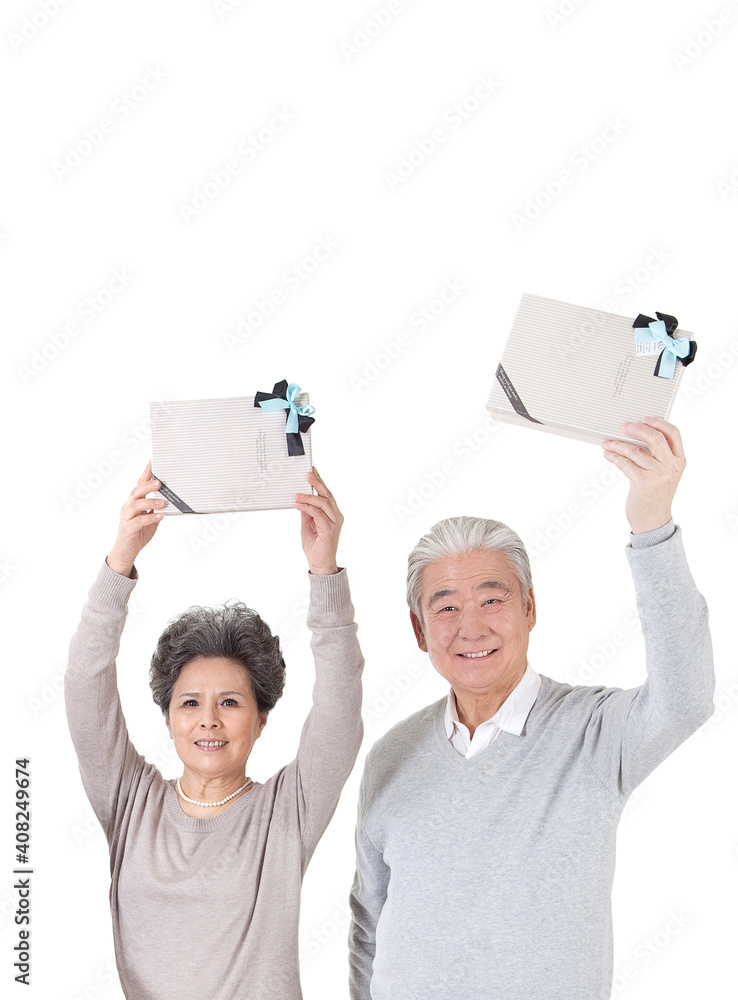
pixel 222 802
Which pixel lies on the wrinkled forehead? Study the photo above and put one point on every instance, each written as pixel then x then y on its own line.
pixel 480 569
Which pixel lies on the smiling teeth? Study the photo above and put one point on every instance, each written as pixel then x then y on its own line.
pixel 485 653
pixel 211 743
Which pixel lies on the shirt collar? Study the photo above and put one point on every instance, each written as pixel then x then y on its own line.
pixel 511 714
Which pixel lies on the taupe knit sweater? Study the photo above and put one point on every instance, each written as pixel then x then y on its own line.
pixel 208 909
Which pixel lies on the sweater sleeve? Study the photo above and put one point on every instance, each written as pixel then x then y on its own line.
pixel 631 732
pixel 368 896
pixel 333 730
pixel 108 762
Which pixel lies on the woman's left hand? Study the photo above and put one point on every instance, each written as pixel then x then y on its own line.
pixel 321 526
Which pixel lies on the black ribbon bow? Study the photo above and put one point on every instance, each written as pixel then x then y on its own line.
pixel 671 323
pixel 280 391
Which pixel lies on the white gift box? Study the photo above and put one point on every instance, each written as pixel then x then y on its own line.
pixel 213 455
pixel 577 372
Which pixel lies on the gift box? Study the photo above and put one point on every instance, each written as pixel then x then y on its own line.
pixel 240 453
pixel 582 372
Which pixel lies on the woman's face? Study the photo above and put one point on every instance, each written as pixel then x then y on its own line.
pixel 213 718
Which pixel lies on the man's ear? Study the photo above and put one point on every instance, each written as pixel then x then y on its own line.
pixel 418 630
pixel 530 608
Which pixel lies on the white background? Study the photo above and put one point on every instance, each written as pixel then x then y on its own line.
pixel 649 223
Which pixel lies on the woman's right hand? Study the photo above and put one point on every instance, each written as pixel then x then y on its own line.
pixel 139 520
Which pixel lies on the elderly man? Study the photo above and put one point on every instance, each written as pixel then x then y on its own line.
pixel 487 821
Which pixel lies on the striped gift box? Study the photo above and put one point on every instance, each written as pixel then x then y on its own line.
pixel 214 455
pixel 577 372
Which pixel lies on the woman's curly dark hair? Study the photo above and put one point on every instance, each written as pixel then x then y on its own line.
pixel 233 632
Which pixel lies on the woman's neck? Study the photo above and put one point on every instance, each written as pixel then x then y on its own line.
pixel 224 790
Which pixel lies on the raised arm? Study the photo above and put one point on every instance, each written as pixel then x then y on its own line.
pixel 107 760
pixel 632 731
pixel 331 735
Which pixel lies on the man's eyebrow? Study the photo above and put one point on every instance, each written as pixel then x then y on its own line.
pixel 439 594
pixel 485 585
pixel 493 585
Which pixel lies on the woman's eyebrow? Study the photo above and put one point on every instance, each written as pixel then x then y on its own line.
pixel 196 694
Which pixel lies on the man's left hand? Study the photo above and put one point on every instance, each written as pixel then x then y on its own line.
pixel 653 477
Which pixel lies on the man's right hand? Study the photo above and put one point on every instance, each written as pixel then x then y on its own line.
pixel 139 520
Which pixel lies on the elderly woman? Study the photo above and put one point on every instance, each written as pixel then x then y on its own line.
pixel 206 870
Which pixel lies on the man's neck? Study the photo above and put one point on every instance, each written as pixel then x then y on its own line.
pixel 475 708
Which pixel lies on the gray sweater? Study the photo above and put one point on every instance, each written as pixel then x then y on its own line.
pixel 490 878
pixel 208 909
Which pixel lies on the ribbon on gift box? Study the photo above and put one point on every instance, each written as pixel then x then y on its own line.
pixel 173 498
pixel 284 397
pixel 661 330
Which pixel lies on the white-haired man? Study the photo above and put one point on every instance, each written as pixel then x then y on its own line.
pixel 487 821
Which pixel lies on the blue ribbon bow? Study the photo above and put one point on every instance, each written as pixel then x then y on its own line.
pixel 284 397
pixel 649 331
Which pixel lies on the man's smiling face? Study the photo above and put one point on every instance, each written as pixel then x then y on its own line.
pixel 475 622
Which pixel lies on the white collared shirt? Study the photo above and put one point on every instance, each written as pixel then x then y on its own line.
pixel 510 716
